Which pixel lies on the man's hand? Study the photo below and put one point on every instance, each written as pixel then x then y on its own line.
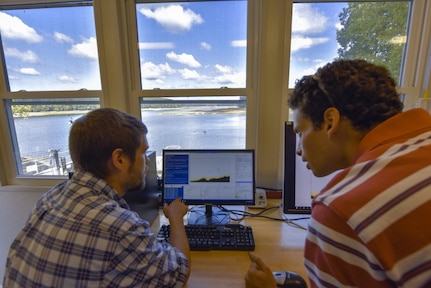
pixel 176 209
pixel 259 275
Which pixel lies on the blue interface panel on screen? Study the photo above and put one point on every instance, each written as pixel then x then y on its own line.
pixel 209 178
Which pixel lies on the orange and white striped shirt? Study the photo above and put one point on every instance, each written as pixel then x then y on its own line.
pixel 370 225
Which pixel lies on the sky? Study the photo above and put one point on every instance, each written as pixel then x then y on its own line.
pixel 183 45
pixel 313 42
pixel 45 51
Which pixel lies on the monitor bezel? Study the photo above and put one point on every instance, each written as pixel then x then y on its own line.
pixel 213 202
pixel 289 186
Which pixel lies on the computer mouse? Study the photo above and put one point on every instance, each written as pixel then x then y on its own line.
pixel 289 279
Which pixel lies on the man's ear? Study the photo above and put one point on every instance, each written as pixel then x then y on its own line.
pixel 331 120
pixel 118 159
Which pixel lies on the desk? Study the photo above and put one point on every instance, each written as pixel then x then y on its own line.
pixel 280 245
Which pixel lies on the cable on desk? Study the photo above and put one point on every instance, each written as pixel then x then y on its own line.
pixel 244 214
pixel 292 223
pixel 241 214
pixel 296 225
pixel 220 218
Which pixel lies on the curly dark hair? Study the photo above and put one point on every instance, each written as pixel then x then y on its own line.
pixel 363 92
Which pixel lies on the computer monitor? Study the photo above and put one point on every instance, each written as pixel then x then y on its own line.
pixel 210 178
pixel 300 185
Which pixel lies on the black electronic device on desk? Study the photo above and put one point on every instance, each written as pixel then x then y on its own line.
pixel 289 279
pixel 209 178
pixel 300 185
pixel 147 201
pixel 235 237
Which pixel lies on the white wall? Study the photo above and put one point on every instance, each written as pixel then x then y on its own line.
pixel 15 206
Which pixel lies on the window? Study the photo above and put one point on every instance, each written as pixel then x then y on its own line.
pixel 192 60
pixel 53 49
pixel 41 133
pixel 374 31
pixel 196 44
pixel 50 48
pixel 198 73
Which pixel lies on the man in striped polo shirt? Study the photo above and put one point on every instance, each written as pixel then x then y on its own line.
pixel 369 225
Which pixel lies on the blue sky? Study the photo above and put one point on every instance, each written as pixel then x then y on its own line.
pixel 44 51
pixel 186 45
pixel 314 42
pixel 198 44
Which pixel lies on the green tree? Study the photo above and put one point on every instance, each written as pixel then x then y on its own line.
pixel 374 31
pixel 21 110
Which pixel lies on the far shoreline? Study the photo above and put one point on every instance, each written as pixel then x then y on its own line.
pixel 171 111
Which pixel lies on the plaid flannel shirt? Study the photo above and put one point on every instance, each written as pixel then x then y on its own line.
pixel 81 233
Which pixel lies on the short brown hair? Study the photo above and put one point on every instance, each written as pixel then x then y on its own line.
pixel 363 92
pixel 94 136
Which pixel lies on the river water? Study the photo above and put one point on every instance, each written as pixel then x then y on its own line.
pixel 38 135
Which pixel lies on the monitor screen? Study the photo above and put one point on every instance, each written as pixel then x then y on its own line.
pixel 209 177
pixel 300 185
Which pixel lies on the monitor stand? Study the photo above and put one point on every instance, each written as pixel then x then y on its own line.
pixel 208 215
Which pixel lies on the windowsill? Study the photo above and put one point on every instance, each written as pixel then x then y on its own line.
pixel 20 188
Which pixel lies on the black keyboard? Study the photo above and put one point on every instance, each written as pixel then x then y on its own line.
pixel 215 237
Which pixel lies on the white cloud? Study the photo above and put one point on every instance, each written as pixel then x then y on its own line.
pixel 309 71
pixel 29 71
pixel 65 78
pixel 13 28
pixel 174 18
pixel 300 42
pixel 307 20
pixel 188 74
pixel 86 49
pixel 156 45
pixel 62 38
pixel 238 43
pixel 205 46
pixel 184 58
pixel 151 71
pixel 298 74
pixel 233 78
pixel 27 56
pixel 223 69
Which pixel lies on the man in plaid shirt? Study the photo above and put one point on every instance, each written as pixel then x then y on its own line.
pixel 82 233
